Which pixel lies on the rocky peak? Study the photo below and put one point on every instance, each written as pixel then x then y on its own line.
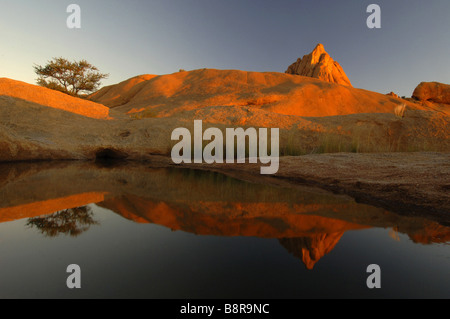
pixel 319 64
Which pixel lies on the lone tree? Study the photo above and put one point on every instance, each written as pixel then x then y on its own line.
pixel 69 77
pixel 70 222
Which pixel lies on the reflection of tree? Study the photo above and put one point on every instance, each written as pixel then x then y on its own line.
pixel 71 222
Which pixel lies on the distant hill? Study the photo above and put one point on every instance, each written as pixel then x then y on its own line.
pixel 287 94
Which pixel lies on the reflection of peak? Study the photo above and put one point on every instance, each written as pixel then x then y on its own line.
pixel 311 249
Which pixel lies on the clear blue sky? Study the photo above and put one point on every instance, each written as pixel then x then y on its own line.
pixel 128 38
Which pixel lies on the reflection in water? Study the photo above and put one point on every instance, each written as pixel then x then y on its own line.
pixel 72 222
pixel 308 222
pixel 311 249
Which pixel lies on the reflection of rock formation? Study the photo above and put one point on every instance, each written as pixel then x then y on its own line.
pixel 429 233
pixel 264 220
pixel 70 222
pixel 311 249
pixel 309 221
pixel 48 206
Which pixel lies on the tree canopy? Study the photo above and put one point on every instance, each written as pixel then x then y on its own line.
pixel 71 222
pixel 73 78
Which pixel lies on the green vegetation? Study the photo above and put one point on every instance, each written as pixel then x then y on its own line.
pixel 73 78
pixel 70 222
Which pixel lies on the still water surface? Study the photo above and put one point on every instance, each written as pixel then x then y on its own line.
pixel 142 232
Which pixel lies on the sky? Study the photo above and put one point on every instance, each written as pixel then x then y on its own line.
pixel 129 38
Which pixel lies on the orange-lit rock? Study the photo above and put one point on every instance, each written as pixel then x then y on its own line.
pixel 393 95
pixel 280 93
pixel 319 64
pixel 432 91
pixel 34 131
pixel 52 99
pixel 313 116
pixel 123 91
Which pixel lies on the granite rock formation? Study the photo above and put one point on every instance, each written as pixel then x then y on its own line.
pixel 319 64
pixel 434 92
